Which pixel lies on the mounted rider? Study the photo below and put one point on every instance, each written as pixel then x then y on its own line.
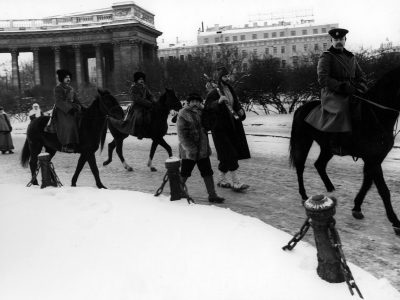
pixel 339 76
pixel 142 102
pixel 65 116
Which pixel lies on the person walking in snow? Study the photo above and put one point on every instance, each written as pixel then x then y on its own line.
pixel 194 147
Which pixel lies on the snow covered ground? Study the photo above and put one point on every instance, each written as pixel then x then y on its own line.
pixel 84 243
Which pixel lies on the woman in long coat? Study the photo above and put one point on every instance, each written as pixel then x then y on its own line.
pixel 6 143
pixel 223 115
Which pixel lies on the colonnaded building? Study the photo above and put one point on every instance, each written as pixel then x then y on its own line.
pixel 290 41
pixel 119 38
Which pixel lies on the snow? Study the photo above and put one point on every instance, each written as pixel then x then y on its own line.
pixel 85 243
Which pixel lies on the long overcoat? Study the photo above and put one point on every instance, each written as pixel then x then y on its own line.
pixel 226 129
pixel 193 138
pixel 65 114
pixel 335 69
pixel 6 143
pixel 139 114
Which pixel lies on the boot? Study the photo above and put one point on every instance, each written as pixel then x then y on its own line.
pixel 223 182
pixel 212 195
pixel 237 185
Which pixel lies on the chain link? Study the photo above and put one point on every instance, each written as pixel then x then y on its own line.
pixel 337 244
pixel 53 173
pixel 299 235
pixel 161 188
pixel 34 177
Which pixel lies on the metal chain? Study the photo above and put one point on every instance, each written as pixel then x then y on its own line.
pixel 34 177
pixel 337 244
pixel 161 188
pixel 299 235
pixel 53 172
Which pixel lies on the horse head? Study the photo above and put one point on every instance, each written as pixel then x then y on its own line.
pixel 109 105
pixel 171 101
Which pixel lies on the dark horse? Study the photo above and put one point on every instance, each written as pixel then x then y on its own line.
pixel 92 132
pixel 158 129
pixel 372 139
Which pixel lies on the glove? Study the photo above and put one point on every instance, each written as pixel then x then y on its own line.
pixel 347 88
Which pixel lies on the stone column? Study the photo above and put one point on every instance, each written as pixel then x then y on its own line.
pixel 117 64
pixel 36 65
pixel 57 60
pixel 78 65
pixel 136 52
pixel 14 68
pixel 99 69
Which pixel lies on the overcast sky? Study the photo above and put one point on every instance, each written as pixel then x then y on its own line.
pixel 370 22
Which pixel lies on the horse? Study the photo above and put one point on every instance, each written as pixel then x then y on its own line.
pixel 158 129
pixel 372 140
pixel 92 133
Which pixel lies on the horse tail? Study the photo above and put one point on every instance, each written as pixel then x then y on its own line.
pixel 103 135
pixel 300 138
pixel 25 154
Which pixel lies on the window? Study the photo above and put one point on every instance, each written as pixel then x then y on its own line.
pixel 293 33
pixel 305 47
pixel 255 52
pixel 266 35
pixel 316 47
pixel 315 31
pixel 227 39
pixel 216 39
pixel 267 51
pixel 189 57
pixel 274 34
pixel 283 63
pixel 234 38
pixel 182 57
pixel 325 46
pixel 254 36
pixel 304 32
pixel 323 30
pixel 162 60
pixel 282 33
pixel 293 48
pixel 275 50
pixel 205 40
pixel 242 37
pixel 295 61
pixel 282 49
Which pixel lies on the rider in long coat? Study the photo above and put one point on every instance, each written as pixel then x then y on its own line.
pixel 223 115
pixel 142 102
pixel 65 116
pixel 339 75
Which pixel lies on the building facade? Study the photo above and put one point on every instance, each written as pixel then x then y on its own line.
pixel 118 38
pixel 291 43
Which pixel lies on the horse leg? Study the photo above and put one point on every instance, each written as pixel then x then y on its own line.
pixel 359 199
pixel 153 149
pixel 81 162
pixel 111 147
pixel 51 153
pixel 93 167
pixel 120 143
pixel 299 159
pixel 384 192
pixel 320 164
pixel 33 161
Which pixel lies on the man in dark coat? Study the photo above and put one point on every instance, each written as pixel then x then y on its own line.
pixel 6 143
pixel 193 145
pixel 66 111
pixel 142 102
pixel 223 115
pixel 339 76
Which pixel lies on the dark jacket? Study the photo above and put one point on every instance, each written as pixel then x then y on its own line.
pixel 225 125
pixel 65 114
pixel 193 138
pixel 140 110
pixel 5 125
pixel 338 74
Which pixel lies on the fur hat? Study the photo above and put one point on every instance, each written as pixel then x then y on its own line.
pixel 194 96
pixel 62 73
pixel 139 75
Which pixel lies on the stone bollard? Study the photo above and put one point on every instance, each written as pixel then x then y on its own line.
pixel 321 210
pixel 47 173
pixel 175 184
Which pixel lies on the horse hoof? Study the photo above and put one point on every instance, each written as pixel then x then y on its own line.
pixel 396 230
pixel 100 186
pixel 153 169
pixel 130 169
pixel 106 162
pixel 357 214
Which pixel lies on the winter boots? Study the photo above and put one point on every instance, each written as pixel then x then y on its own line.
pixel 237 186
pixel 212 195
pixel 223 182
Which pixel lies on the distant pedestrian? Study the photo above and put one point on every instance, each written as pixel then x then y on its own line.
pixel 6 144
pixel 35 112
pixel 194 147
pixel 223 115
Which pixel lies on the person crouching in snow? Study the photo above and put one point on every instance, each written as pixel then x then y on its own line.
pixel 193 145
